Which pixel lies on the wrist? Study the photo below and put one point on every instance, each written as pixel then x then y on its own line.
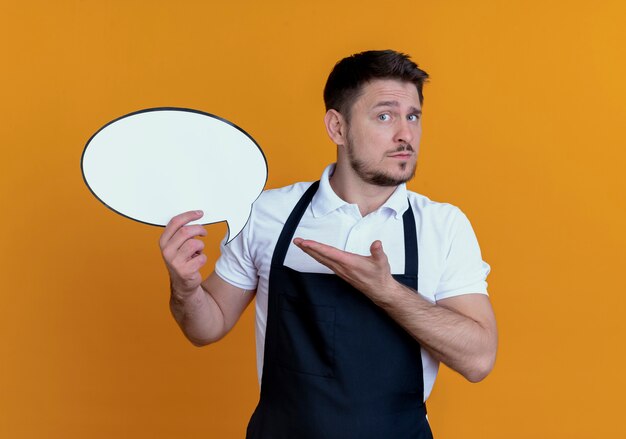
pixel 388 293
pixel 180 294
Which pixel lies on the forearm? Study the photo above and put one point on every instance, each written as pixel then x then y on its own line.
pixel 462 334
pixel 462 343
pixel 198 315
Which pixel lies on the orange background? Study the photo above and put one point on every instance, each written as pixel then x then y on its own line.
pixel 523 129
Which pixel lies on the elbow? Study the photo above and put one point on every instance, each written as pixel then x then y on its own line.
pixel 481 368
pixel 476 376
pixel 200 342
pixel 484 361
pixel 204 338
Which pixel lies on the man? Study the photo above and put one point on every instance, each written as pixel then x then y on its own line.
pixel 345 348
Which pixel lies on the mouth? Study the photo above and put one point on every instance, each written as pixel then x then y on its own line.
pixel 403 152
pixel 401 155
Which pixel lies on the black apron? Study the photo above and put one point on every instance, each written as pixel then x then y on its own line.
pixel 335 364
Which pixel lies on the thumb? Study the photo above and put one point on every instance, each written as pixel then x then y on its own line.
pixel 376 249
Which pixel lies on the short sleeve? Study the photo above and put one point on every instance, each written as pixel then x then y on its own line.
pixel 235 265
pixel 464 270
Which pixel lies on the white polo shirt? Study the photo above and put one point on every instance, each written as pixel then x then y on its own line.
pixel 450 262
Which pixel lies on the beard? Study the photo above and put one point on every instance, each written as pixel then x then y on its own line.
pixel 377 177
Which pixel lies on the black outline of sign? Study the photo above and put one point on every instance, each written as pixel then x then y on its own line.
pixel 190 110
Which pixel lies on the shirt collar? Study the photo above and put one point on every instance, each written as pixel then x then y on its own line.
pixel 326 200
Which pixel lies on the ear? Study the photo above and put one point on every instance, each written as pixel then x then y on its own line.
pixel 336 127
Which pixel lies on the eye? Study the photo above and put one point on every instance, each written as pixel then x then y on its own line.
pixel 413 117
pixel 384 117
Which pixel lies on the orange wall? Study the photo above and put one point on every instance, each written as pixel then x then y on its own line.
pixel 523 129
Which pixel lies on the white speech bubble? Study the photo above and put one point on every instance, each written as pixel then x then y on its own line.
pixel 153 164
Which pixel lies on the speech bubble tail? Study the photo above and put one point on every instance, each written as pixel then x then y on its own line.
pixel 236 224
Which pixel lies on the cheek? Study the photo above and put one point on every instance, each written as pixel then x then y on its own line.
pixel 373 140
pixel 417 134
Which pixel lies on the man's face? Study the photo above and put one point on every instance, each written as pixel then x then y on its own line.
pixel 384 132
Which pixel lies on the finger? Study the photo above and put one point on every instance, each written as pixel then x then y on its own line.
pixel 376 249
pixel 176 223
pixel 197 262
pixel 324 250
pixel 312 248
pixel 188 260
pixel 184 234
pixel 330 263
pixel 191 248
pixel 340 268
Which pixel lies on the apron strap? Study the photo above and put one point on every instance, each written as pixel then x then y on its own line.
pixel 411 258
pixel 278 259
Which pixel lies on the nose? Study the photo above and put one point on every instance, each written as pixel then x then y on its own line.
pixel 404 132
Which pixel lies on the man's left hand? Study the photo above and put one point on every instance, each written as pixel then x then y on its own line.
pixel 369 274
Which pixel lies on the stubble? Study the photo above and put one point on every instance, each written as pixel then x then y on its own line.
pixel 377 177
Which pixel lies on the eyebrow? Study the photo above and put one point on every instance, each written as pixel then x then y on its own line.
pixel 396 104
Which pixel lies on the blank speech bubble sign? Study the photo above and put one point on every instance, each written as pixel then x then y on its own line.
pixel 153 164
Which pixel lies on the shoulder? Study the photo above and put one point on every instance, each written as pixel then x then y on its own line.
pixel 279 195
pixel 271 210
pixel 441 223
pixel 279 201
pixel 429 211
pixel 453 262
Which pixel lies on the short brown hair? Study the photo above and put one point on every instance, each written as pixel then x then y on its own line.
pixel 350 74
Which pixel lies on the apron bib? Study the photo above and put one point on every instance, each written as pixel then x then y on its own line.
pixel 336 365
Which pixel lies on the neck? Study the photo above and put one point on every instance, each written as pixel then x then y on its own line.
pixel 349 187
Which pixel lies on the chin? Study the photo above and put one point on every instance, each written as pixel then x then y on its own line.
pixel 383 179
pixel 399 173
pixel 406 174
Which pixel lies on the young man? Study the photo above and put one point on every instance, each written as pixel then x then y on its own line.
pixel 362 287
